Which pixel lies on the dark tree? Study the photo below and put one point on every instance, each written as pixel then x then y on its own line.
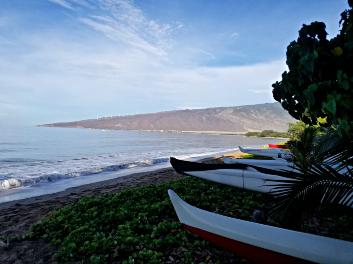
pixel 319 80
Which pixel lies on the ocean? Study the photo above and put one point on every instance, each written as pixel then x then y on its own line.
pixel 42 160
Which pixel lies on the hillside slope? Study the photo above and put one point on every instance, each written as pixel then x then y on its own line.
pixel 227 119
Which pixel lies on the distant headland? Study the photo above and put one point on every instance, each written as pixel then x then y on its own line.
pixel 220 120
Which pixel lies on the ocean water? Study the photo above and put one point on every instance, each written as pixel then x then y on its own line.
pixel 39 160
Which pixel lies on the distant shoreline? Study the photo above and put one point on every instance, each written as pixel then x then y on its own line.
pixel 156 130
pixel 220 133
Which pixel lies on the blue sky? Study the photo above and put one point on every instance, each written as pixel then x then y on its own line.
pixel 77 59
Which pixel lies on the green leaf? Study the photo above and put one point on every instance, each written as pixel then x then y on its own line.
pixel 330 105
pixel 309 93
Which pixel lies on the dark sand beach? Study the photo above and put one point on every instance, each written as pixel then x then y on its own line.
pixel 16 217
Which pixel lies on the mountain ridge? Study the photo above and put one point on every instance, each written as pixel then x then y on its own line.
pixel 218 119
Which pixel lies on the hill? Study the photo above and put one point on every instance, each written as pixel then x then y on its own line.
pixel 221 119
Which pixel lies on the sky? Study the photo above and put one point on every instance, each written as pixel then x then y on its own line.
pixel 63 60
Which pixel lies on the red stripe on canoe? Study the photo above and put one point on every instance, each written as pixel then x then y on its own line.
pixel 277 146
pixel 249 252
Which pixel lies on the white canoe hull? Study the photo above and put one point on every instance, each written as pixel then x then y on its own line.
pixel 249 178
pixel 256 178
pixel 261 243
pixel 246 179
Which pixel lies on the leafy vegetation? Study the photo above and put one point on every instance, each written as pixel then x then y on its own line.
pixel 139 225
pixel 295 130
pixel 319 83
pixel 267 133
pixel 305 148
pixel 321 178
pixel 318 90
pixel 321 184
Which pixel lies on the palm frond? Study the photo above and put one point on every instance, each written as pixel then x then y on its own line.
pixel 323 162
pixel 311 187
pixel 334 149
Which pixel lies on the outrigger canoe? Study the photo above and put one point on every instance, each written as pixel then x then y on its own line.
pixel 261 243
pixel 245 176
pixel 271 152
pixel 237 175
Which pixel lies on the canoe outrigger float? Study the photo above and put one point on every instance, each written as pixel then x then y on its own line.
pixel 238 175
pixel 261 243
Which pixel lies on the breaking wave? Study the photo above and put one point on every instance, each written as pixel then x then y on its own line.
pixel 9 183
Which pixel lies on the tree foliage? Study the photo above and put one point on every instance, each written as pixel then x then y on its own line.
pixel 319 80
pixel 295 130
pixel 304 149
pixel 267 133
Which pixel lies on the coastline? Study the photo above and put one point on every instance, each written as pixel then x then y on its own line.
pixel 17 216
pixel 196 132
pixel 117 183
pixel 47 188
pixel 237 133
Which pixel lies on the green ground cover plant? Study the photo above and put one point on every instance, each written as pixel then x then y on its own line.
pixel 139 225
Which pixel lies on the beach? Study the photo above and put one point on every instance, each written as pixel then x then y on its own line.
pixel 164 133
pixel 16 217
pixel 86 163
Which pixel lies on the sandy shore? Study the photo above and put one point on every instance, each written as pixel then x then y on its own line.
pixel 16 217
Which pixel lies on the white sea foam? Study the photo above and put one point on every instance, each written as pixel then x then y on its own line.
pixel 36 172
pixel 10 183
pixel 57 171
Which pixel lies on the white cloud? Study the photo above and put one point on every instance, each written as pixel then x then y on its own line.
pixel 204 52
pixel 216 86
pixel 62 3
pixel 84 3
pixel 234 35
pixel 124 22
pixel 75 75
pixel 179 25
pixel 122 34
